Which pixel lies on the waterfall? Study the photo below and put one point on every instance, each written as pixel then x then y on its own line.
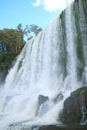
pixel 44 74
pixel 71 47
pixel 83 27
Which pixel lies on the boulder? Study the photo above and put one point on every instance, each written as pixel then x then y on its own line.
pixel 56 127
pixel 46 127
pixel 58 97
pixel 42 99
pixel 42 106
pixel 75 107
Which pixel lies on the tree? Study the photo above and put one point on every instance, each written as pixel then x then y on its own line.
pixel 12 39
pixel 32 30
pixel 11 43
pixel 20 37
pixel 35 29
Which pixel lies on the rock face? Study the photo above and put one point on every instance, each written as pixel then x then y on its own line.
pixel 42 99
pixel 54 127
pixel 75 107
pixel 58 97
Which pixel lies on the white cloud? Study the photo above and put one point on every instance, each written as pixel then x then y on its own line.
pixel 52 5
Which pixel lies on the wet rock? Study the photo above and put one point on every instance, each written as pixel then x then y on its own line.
pixel 55 127
pixel 75 107
pixel 42 99
pixel 58 97
pixel 47 127
pixel 42 106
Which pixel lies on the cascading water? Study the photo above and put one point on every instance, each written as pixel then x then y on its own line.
pixel 47 67
pixel 83 27
pixel 71 47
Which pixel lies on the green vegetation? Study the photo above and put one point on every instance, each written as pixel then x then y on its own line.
pixel 6 59
pixel 79 91
pixel 12 39
pixel 11 43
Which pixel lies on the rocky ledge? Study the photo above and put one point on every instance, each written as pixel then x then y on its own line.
pixel 75 108
pixel 54 127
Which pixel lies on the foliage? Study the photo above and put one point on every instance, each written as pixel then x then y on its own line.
pixel 32 30
pixel 13 39
pixel 6 59
pixel 11 43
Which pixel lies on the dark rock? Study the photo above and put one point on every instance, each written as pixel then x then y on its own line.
pixel 55 127
pixel 75 107
pixel 46 127
pixel 41 107
pixel 42 99
pixel 58 97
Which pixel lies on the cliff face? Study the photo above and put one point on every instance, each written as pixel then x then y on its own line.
pixel 79 14
pixel 75 106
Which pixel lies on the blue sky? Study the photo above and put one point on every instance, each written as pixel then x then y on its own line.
pixel 26 12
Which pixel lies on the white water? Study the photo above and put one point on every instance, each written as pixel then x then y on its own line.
pixel 83 27
pixel 71 47
pixel 38 70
